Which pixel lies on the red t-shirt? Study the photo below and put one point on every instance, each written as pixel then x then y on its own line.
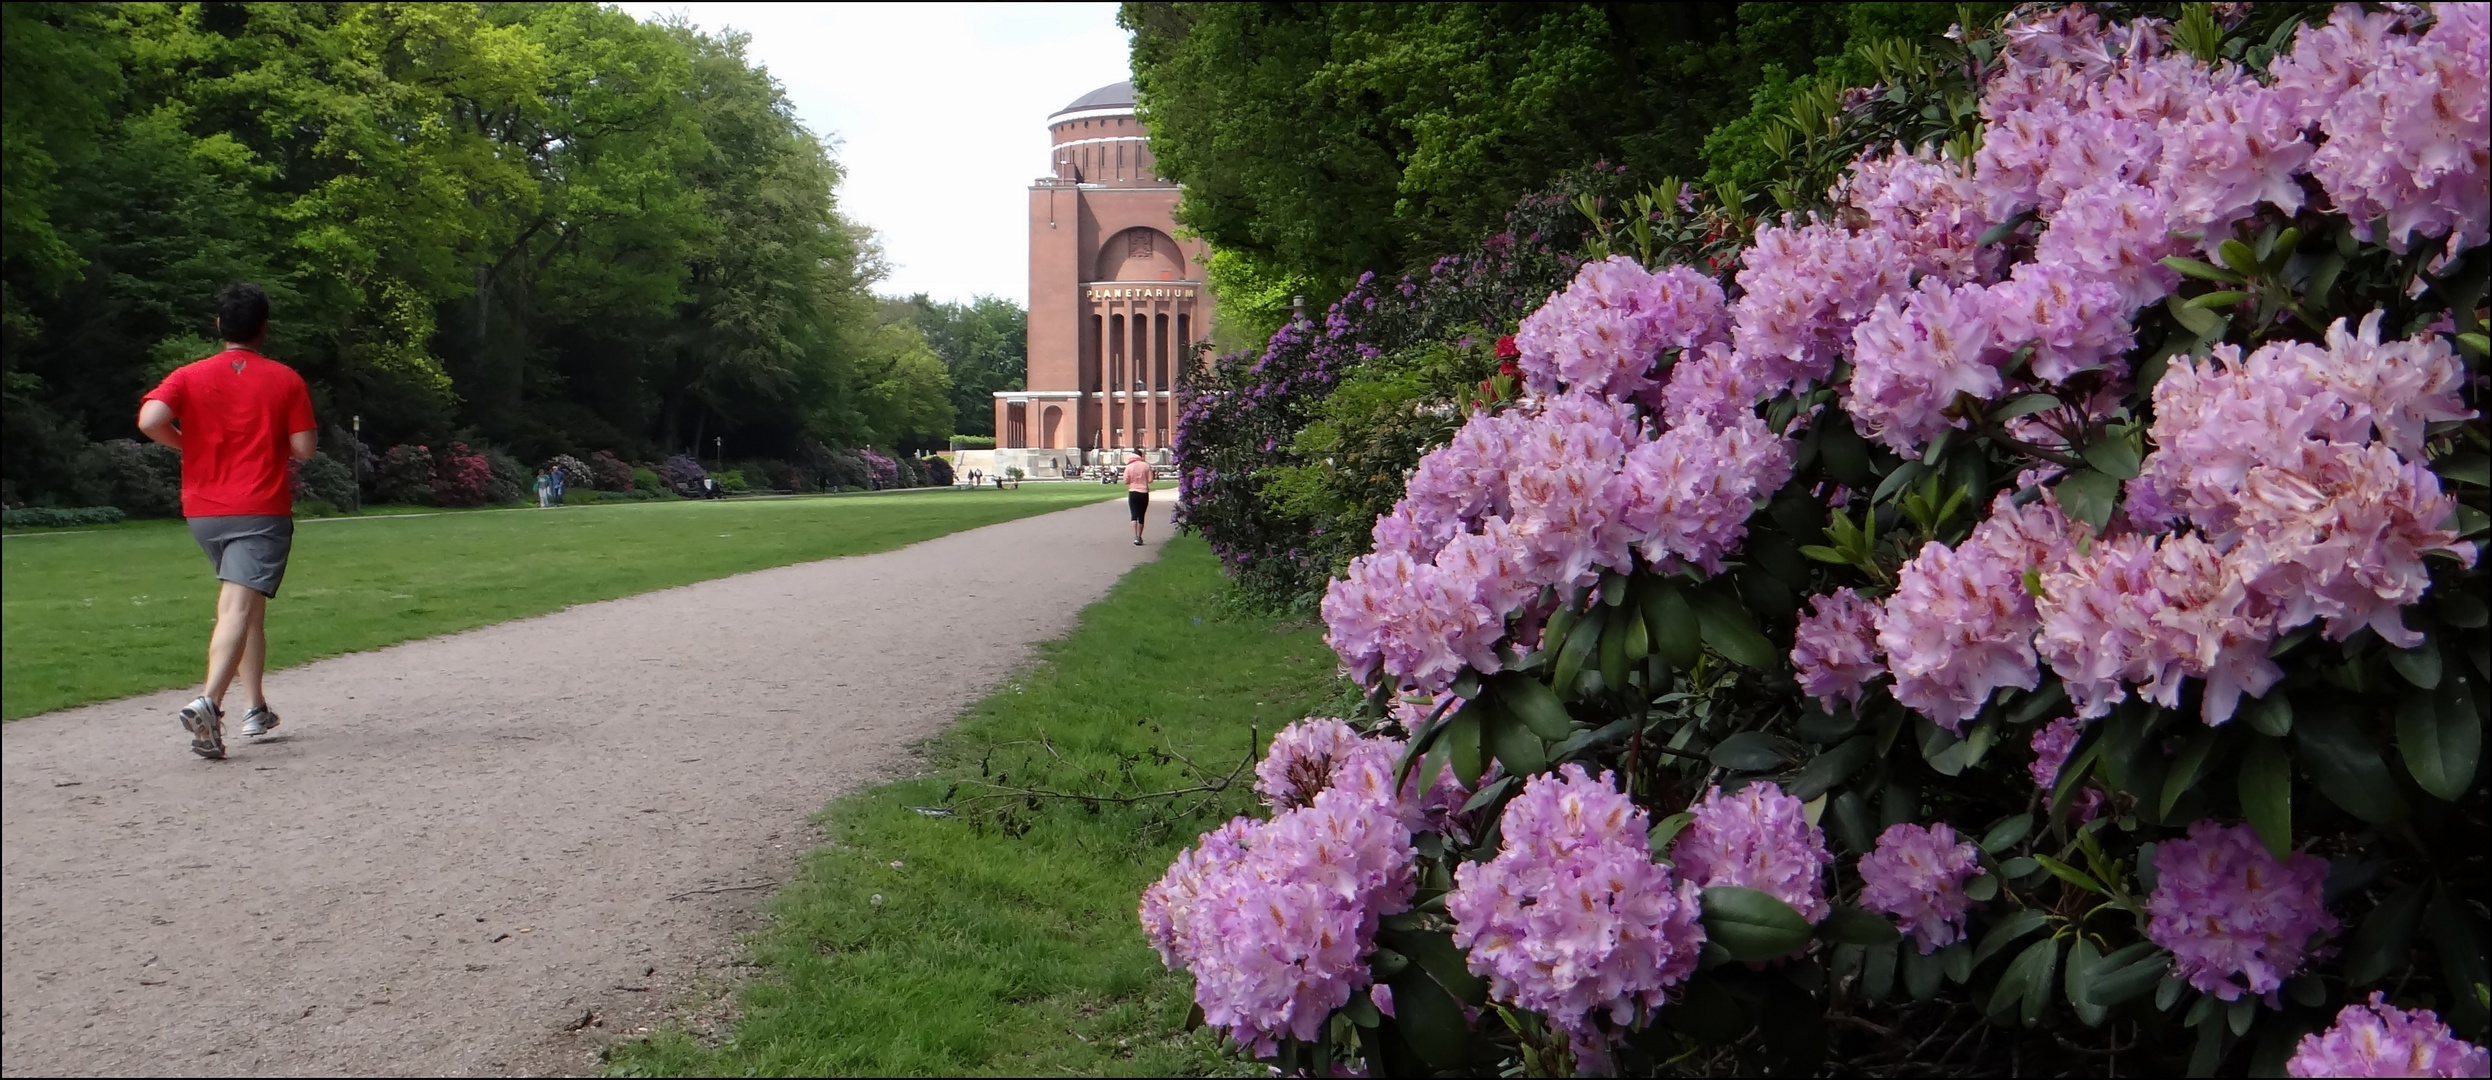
pixel 236 409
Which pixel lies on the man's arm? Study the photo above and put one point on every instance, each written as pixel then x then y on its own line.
pixel 303 444
pixel 155 420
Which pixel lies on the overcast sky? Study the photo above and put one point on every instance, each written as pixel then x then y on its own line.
pixel 938 112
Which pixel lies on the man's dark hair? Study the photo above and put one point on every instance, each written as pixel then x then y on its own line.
pixel 241 311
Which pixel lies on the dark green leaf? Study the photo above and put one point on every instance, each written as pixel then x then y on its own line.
pixel 2419 665
pixel 1535 704
pixel 1845 453
pixel 2270 715
pixel 1903 475
pixel 2023 405
pixel 2344 761
pixel 2185 766
pixel 1434 951
pixel 2440 738
pixel 2004 229
pixel 2462 609
pixel 2008 833
pixel 1751 924
pixel 1430 1020
pixel 2240 1013
pixel 1462 737
pixel 1707 1013
pixel 2209 1052
pixel 2238 256
pixel 2203 271
pixel 2071 875
pixel 2267 794
pixel 1956 961
pixel 2045 698
pixel 2027 980
pixel 2207 325
pixel 1849 925
pixel 1851 822
pixel 2386 936
pixel 1667 830
pixel 1824 554
pixel 2083 961
pixel 1675 631
pixel 1521 752
pixel 2223 298
pixel 1923 975
pixel 2465 469
pixel 1729 630
pixel 2458 940
pixel 1606 733
pixel 2115 456
pixel 1877 975
pixel 2089 496
pixel 1833 767
pixel 1488 795
pixel 1583 642
pixel 2008 931
pixel 1747 751
pixel 2126 973
pixel 1983 888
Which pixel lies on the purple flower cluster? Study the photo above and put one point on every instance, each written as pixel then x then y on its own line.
pixel 1606 330
pixel 2380 1039
pixel 1276 919
pixel 1804 287
pixel 2405 117
pixel 1757 839
pixel 2236 920
pixel 1834 651
pixel 1960 623
pixel 2149 610
pixel 2051 746
pixel 1573 918
pixel 1547 495
pixel 1917 875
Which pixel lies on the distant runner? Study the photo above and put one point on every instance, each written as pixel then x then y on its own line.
pixel 1137 491
pixel 236 417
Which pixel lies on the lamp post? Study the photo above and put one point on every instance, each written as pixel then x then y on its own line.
pixel 357 456
pixel 721 455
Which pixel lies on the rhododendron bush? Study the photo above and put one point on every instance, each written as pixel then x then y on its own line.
pixel 2029 604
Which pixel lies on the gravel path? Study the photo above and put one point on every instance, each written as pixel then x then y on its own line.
pixel 487 852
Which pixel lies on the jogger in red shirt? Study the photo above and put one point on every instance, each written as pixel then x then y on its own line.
pixel 236 417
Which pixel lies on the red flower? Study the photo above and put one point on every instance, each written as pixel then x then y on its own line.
pixel 1505 349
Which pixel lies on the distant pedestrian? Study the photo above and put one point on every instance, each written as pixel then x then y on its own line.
pixel 544 489
pixel 1137 491
pixel 556 477
pixel 236 417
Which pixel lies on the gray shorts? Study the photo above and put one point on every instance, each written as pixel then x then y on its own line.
pixel 247 549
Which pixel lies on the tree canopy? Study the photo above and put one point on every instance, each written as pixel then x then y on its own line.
pixel 548 226
pixel 985 347
pixel 1318 141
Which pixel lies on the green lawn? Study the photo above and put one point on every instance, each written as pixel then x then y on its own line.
pixel 125 609
pixel 917 945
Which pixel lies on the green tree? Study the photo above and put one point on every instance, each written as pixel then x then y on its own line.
pixel 985 347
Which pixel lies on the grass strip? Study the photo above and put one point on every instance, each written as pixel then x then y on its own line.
pixel 1006 944
pixel 126 609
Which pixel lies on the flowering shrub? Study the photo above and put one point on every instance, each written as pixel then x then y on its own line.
pixel 575 472
pixel 405 475
pixel 461 477
pixel 2060 547
pixel 325 479
pixel 608 472
pixel 683 473
pixel 143 479
pixel 880 471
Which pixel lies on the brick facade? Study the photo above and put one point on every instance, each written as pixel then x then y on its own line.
pixel 1115 298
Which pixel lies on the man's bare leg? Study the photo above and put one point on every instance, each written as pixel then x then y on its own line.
pixel 255 655
pixel 239 611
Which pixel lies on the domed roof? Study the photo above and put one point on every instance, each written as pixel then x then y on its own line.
pixel 1106 97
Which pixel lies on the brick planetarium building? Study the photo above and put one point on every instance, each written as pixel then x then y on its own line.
pixel 1116 300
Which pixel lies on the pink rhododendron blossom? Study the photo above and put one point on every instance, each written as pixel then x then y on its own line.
pixel 1685 497
pixel 2236 148
pixel 2236 920
pixel 2073 322
pixel 1930 206
pixel 2380 1039
pixel 1961 623
pixel 1806 286
pixel 2051 746
pixel 2407 123
pixel 1757 839
pixel 1834 651
pixel 1911 361
pixel 1276 919
pixel 2117 233
pixel 1573 918
pixel 1301 760
pixel 1917 875
pixel 1714 387
pixel 2135 609
pixel 1604 333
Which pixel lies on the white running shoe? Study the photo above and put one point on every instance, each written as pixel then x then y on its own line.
pixel 258 721
pixel 206 724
